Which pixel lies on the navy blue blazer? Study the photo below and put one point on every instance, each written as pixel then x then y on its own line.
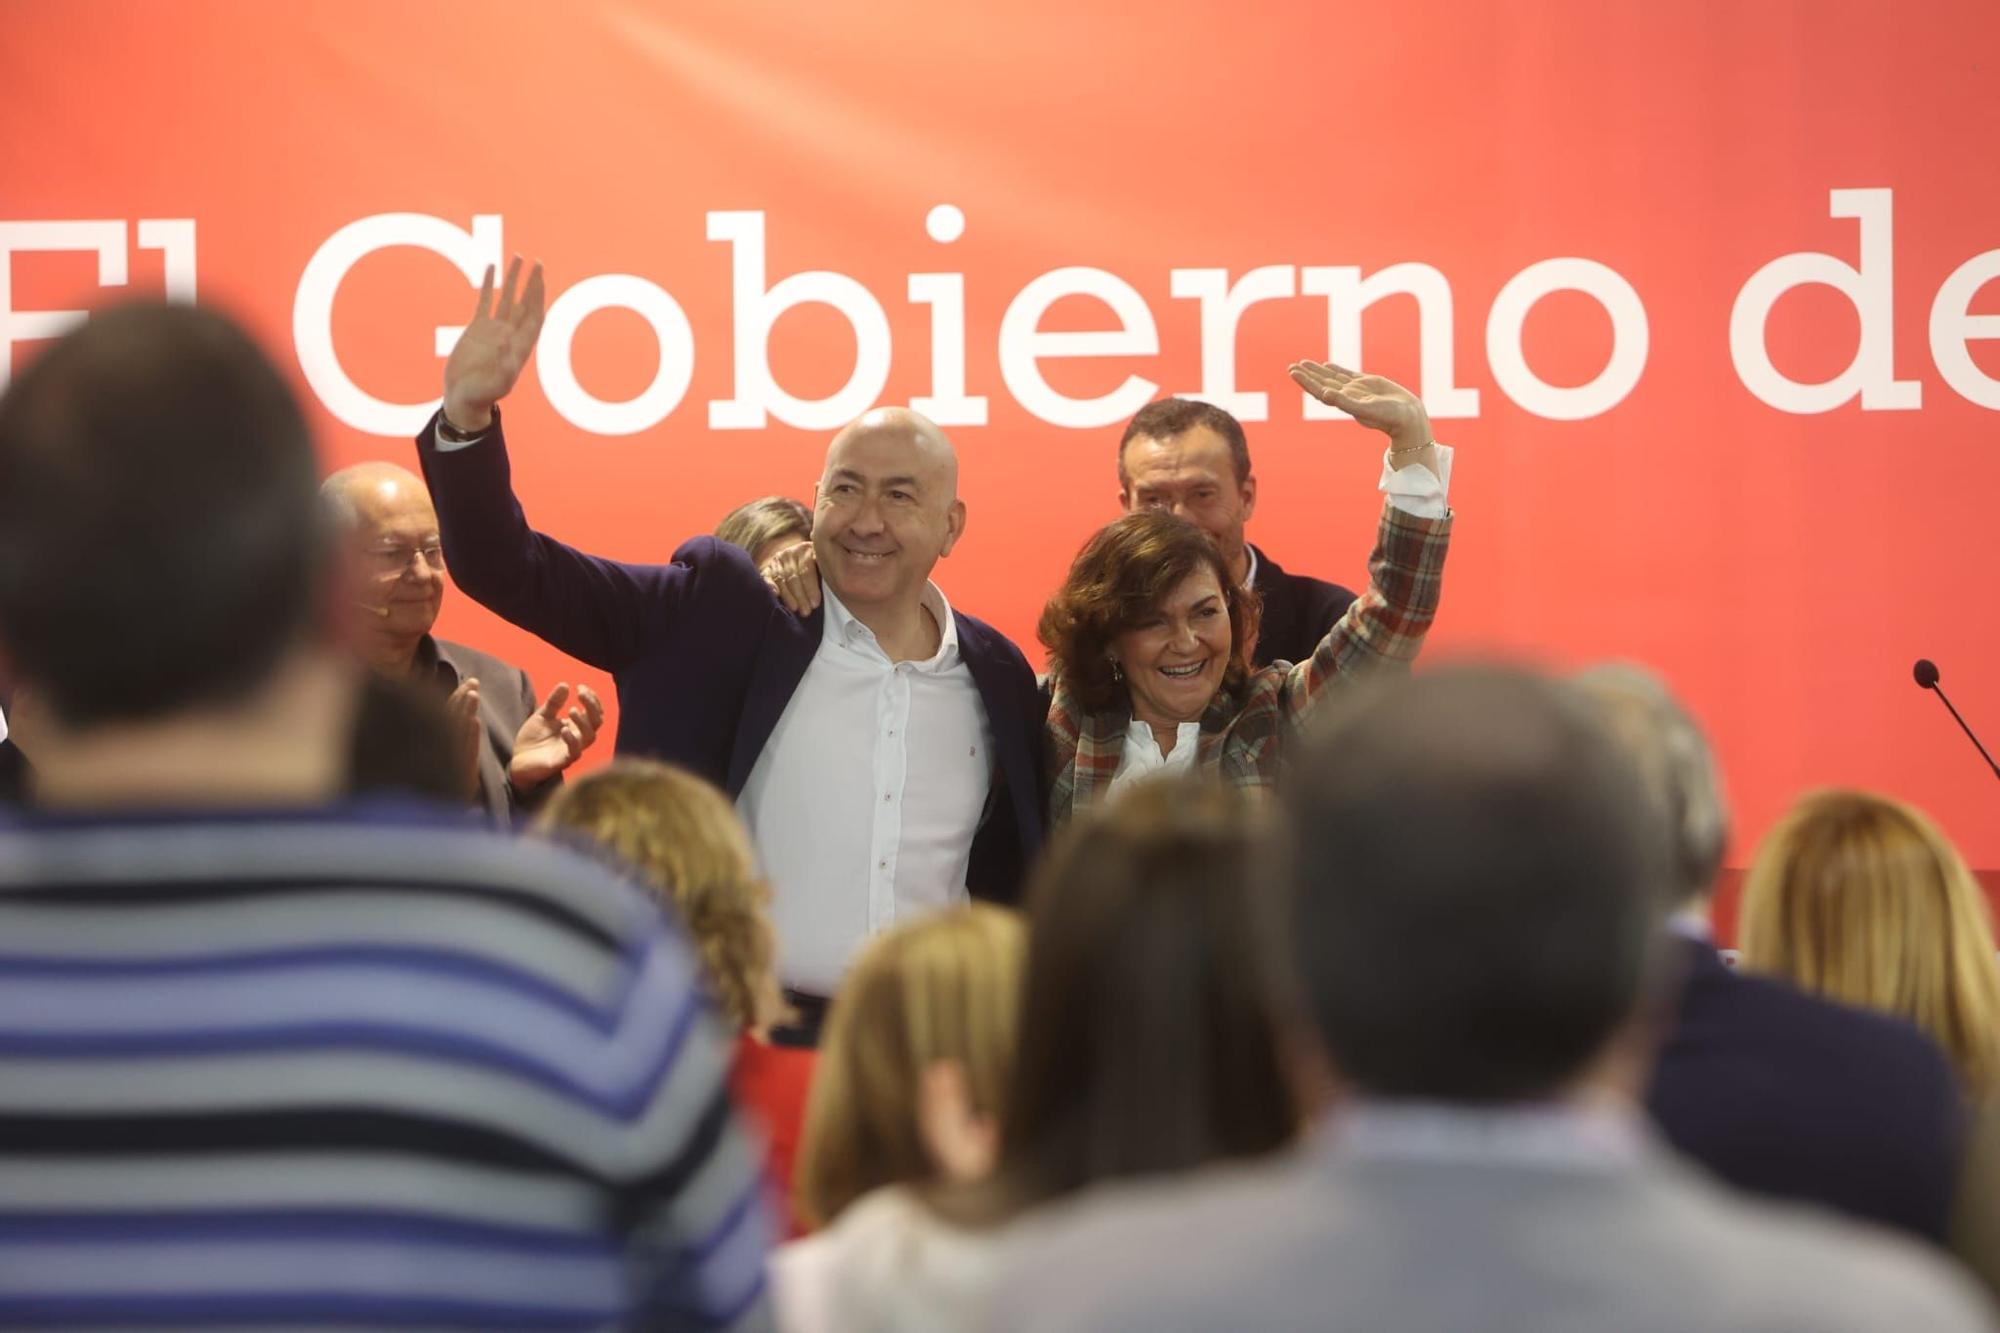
pixel 1298 611
pixel 704 656
pixel 1782 1093
pixel 14 772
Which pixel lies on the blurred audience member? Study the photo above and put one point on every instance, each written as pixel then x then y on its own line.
pixel 918 1052
pixel 512 748
pixel 1476 877
pixel 683 839
pixel 405 743
pixel 765 527
pixel 271 1059
pixel 1774 1090
pixel 1862 899
pixel 1148 1045
pixel 1191 459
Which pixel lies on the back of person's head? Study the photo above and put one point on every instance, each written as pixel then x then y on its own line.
pixel 1861 899
pixel 1476 882
pixel 404 744
pixel 682 837
pixel 942 989
pixel 1676 764
pixel 160 541
pixel 1149 1036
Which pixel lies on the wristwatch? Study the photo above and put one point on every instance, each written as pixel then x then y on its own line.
pixel 451 434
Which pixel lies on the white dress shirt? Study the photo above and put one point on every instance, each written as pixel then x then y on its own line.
pixel 1414 490
pixel 865 799
pixel 1141 758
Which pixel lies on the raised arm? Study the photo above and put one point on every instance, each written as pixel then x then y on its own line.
pixel 597 610
pixel 1388 622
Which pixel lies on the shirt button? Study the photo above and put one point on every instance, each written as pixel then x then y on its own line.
pixel 886 797
pixel 881 865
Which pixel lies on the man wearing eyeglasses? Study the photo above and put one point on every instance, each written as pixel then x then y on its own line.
pixel 512 748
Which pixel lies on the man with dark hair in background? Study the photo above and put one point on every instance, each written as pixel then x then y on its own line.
pixel 1476 880
pixel 269 1059
pixel 1191 457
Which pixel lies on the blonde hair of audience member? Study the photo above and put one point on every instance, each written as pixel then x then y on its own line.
pixel 765 527
pixel 683 838
pixel 1862 899
pixel 940 995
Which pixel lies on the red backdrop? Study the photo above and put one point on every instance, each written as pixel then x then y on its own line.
pixel 1780 554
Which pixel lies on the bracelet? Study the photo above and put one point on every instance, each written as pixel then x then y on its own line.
pixel 451 434
pixel 1413 449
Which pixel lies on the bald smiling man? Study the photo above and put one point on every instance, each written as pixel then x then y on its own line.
pixel 882 749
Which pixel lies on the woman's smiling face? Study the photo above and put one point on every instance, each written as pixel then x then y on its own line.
pixel 1174 661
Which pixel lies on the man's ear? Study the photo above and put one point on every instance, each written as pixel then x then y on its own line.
pixel 1249 491
pixel 954 527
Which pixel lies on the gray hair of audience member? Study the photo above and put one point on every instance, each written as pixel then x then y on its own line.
pixel 1677 765
pixel 1475 886
pixel 756 525
pixel 161 542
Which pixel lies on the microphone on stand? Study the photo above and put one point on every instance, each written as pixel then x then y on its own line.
pixel 1926 673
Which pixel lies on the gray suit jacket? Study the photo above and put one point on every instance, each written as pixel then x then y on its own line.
pixel 506 697
pixel 1324 1239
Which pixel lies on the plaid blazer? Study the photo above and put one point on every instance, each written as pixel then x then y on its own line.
pixel 1246 731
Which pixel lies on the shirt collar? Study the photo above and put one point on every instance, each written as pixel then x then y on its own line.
pixel 3 725
pixel 1553 1133
pixel 1140 734
pixel 1250 574
pixel 841 627
pixel 431 664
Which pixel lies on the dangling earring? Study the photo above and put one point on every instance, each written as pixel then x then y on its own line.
pixel 1117 672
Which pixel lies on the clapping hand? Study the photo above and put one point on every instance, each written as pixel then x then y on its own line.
pixel 1377 403
pixel 490 353
pixel 461 712
pixel 550 740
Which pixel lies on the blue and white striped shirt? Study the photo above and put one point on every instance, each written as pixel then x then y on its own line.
pixel 356 1068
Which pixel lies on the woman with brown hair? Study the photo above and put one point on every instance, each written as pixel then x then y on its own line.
pixel 1150 639
pixel 681 836
pixel 1862 899
pixel 1150 1043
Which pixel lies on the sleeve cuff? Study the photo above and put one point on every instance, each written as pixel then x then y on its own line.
pixel 444 446
pixel 1415 489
